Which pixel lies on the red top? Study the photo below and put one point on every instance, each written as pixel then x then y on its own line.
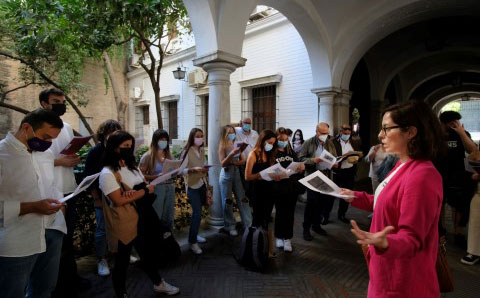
pixel 411 203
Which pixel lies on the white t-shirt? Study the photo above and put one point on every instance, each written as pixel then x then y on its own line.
pixel 108 183
pixel 64 176
pixel 250 139
pixel 376 161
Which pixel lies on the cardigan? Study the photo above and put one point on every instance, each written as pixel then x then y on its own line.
pixel 411 203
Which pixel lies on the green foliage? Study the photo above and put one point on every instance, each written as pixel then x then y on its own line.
pixel 452 106
pixel 140 151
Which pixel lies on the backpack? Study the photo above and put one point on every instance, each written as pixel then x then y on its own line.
pixel 253 251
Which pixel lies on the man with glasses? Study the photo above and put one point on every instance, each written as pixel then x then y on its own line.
pixel 344 176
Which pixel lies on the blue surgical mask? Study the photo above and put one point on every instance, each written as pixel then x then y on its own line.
pixel 162 145
pixel 246 127
pixel 345 137
pixel 282 144
pixel 268 147
pixel 231 136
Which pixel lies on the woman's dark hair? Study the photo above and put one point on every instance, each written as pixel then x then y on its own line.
pixel 259 150
pixel 37 118
pixel 301 136
pixel 289 131
pixel 428 143
pixel 449 116
pixel 284 131
pixel 106 128
pixel 190 141
pixel 111 158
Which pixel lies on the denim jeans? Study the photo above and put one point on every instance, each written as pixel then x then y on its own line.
pixel 164 204
pixel 196 197
pixel 230 180
pixel 39 271
pixel 100 235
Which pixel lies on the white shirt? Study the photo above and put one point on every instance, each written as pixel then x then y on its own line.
pixel 346 147
pixel 23 235
pixel 250 139
pixel 108 183
pixel 64 176
pixel 49 189
pixel 376 161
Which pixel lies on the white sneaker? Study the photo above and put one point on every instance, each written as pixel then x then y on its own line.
pixel 233 233
pixel 166 288
pixel 200 239
pixel 133 259
pixel 102 268
pixel 279 243
pixel 196 249
pixel 287 245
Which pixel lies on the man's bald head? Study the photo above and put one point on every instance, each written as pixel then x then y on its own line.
pixel 247 120
pixel 322 128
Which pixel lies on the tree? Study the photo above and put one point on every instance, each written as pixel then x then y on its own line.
pixel 35 33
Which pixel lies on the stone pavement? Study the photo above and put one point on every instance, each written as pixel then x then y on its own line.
pixel 331 266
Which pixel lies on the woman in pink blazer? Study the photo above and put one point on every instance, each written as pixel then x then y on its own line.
pixel 403 237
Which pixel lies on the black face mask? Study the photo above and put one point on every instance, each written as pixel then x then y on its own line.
pixel 126 154
pixel 59 108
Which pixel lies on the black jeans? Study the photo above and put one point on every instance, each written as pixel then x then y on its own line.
pixel 122 260
pixel 344 178
pixel 285 214
pixel 315 208
pixel 262 204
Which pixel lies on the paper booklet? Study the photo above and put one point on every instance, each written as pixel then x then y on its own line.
pixel 75 145
pixel 81 187
pixel 348 154
pixel 277 170
pixel 328 160
pixel 172 170
pixel 320 183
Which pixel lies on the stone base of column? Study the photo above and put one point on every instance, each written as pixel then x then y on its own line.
pixel 215 222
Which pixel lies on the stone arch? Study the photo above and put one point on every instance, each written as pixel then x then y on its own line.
pixel 440 103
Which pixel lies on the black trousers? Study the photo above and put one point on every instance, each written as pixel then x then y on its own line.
pixel 285 214
pixel 263 202
pixel 344 178
pixel 122 260
pixel 316 208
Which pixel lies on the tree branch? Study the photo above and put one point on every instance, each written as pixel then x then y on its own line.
pixel 13 107
pixel 3 95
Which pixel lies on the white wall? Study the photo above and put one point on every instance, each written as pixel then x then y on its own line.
pixel 276 49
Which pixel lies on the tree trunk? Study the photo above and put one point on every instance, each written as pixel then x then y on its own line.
pixel 119 102
pixel 158 107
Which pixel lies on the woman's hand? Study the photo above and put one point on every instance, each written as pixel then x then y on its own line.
pixel 378 239
pixel 151 188
pixel 301 168
pixel 129 194
pixel 347 192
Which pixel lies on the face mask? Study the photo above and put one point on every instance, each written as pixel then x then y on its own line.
pixel 345 137
pixel 282 144
pixel 323 138
pixel 126 153
pixel 246 127
pixel 36 144
pixel 268 147
pixel 162 145
pixel 231 136
pixel 198 142
pixel 59 108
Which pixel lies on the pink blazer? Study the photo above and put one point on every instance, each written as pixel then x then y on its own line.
pixel 411 203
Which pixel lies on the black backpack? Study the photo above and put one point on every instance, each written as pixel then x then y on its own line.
pixel 253 252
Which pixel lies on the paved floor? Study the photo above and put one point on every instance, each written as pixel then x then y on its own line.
pixel 331 266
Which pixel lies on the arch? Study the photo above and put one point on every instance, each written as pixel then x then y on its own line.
pixel 386 21
pixel 200 13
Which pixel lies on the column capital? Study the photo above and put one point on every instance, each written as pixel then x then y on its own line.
pixel 331 91
pixel 219 56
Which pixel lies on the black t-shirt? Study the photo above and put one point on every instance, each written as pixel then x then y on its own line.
pixel 455 152
pixel 94 162
pixel 285 158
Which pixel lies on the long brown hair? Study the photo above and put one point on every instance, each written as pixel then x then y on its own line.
pixel 152 151
pixel 224 137
pixel 428 143
pixel 191 141
pixel 259 146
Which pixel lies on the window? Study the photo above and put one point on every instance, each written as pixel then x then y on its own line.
pixel 172 119
pixel 146 115
pixel 264 106
pixel 201 115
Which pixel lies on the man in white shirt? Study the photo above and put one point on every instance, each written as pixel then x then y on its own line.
pixel 245 134
pixel 28 240
pixel 53 99
pixel 345 176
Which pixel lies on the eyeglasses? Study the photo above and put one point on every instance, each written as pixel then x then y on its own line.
pixel 385 129
pixel 346 128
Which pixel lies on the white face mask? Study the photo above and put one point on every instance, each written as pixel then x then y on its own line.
pixel 323 138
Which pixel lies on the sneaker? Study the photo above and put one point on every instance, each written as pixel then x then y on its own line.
pixel 133 259
pixel 279 243
pixel 470 259
pixel 200 239
pixel 102 268
pixel 233 233
pixel 196 249
pixel 287 245
pixel 166 288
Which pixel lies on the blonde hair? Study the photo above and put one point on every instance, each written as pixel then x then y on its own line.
pixel 224 137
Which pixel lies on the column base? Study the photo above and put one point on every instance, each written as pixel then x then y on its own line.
pixel 215 222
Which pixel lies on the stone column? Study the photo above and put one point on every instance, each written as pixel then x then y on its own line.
pixel 376 107
pixel 219 66
pixel 342 108
pixel 326 99
pixel 333 106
